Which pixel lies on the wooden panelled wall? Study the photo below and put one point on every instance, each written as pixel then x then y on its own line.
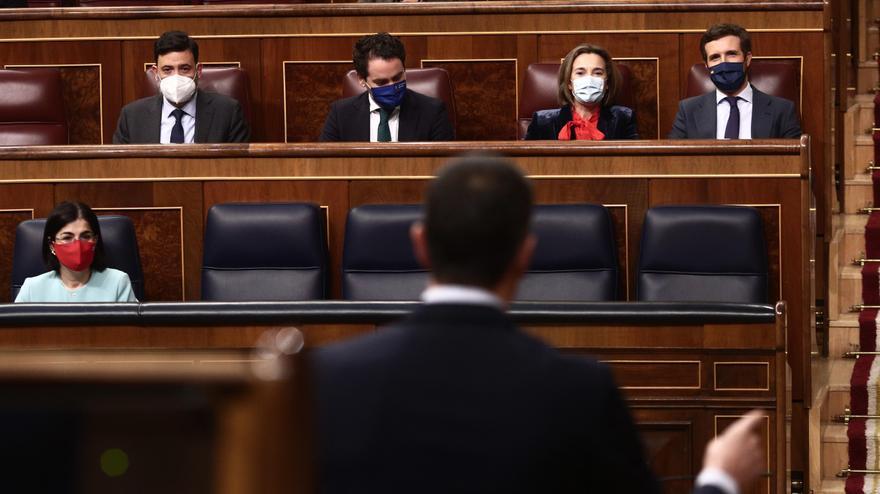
pixel 296 56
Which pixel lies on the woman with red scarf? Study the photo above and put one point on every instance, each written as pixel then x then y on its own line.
pixel 588 83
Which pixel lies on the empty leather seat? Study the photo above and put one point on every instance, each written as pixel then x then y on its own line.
pixel 264 251
pixel 32 108
pixel 540 90
pixel 776 77
pixel 703 254
pixel 378 262
pixel 120 248
pixel 575 259
pixel 433 82
pixel 228 81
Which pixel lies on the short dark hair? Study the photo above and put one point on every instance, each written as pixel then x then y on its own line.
pixel 477 214
pixel 719 31
pixel 68 212
pixel 379 45
pixel 612 75
pixel 175 41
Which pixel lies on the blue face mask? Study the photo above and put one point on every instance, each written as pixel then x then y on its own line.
pixel 390 96
pixel 728 76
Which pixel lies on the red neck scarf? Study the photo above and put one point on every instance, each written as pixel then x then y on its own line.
pixel 584 130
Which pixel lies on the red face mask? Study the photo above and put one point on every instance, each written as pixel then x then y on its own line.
pixel 77 255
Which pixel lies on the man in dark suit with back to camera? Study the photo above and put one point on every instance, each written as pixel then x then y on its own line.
pixel 387 111
pixel 456 398
pixel 736 109
pixel 181 113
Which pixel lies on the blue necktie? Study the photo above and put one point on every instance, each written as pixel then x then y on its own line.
pixel 177 130
pixel 732 130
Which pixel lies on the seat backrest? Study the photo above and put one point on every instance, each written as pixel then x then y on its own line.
pixel 32 108
pixel 432 81
pixel 777 77
pixel 539 91
pixel 120 248
pixel 703 254
pixel 575 259
pixel 229 81
pixel 378 262
pixel 264 251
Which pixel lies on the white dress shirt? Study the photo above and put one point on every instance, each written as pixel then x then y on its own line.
pixel 461 294
pixel 745 113
pixel 188 121
pixel 393 121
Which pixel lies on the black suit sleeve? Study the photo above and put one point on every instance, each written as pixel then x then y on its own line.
pixel 239 131
pixel 330 133
pixel 679 126
pixel 441 128
pixel 121 135
pixel 536 131
pixel 630 129
pixel 789 123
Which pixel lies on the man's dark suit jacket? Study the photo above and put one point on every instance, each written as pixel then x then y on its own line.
pixel 772 117
pixel 422 119
pixel 616 122
pixel 218 119
pixel 456 398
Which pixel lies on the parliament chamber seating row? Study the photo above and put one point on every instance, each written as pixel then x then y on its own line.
pixel 146 3
pixel 265 252
pixel 32 103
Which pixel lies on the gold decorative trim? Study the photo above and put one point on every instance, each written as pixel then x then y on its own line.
pixel 100 85
pixel 25 210
pixel 466 60
pixel 284 83
pixel 625 241
pixel 417 33
pixel 699 372
pixel 715 376
pixel 657 81
pixel 182 238
pixel 378 177
pixel 326 210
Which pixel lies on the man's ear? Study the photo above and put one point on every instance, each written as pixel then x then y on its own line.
pixel 420 244
pixel 155 71
pixel 199 70
pixel 524 256
pixel 748 60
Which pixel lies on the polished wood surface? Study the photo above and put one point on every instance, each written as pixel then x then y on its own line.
pixel 294 55
pixel 671 374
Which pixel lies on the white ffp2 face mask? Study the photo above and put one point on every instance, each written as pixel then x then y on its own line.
pixel 177 88
pixel 588 89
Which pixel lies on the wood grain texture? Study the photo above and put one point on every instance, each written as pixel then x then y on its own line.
pixel 81 87
pixel 9 220
pixel 309 89
pixel 485 98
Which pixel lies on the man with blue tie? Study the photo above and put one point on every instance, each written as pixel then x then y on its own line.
pixel 736 109
pixel 181 113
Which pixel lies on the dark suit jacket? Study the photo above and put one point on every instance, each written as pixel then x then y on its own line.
pixel 422 118
pixel 456 398
pixel 772 117
pixel 218 119
pixel 616 122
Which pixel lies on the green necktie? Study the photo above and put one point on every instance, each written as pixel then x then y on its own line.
pixel 384 132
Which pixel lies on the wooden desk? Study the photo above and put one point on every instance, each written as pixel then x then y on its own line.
pixel 687 370
pixel 296 56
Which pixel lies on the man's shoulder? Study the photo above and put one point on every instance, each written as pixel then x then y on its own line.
pixel 351 100
pixel 771 100
pixel 217 99
pixel 700 99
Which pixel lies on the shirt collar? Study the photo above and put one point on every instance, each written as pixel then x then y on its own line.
pixel 189 108
pixel 461 294
pixel 746 94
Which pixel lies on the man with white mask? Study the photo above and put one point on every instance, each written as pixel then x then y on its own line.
pixel 180 113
